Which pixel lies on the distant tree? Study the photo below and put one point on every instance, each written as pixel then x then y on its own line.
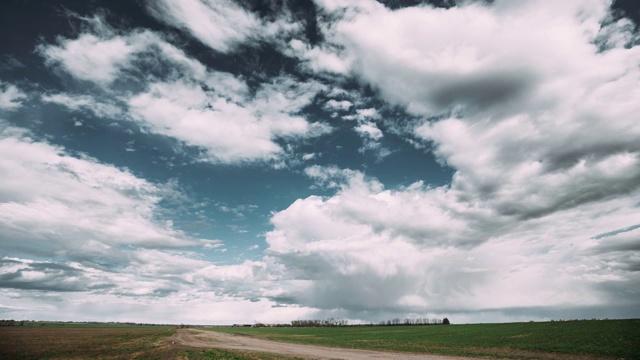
pixel 445 321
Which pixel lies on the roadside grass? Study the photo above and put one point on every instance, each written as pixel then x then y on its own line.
pixel 221 354
pixel 109 341
pixel 618 339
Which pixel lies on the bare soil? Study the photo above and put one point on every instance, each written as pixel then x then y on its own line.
pixel 214 339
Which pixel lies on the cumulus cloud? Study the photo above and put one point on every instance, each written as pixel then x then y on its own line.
pixel 370 130
pixel 101 54
pixel 212 110
pixel 99 223
pixel 363 115
pixel 538 122
pixel 333 104
pixel 482 60
pixel 76 207
pixel 371 135
pixel 319 59
pixel 538 102
pixel 229 131
pixel 91 58
pixel 433 252
pixel 532 174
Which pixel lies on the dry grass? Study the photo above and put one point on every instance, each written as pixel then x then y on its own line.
pixel 95 342
pixel 84 343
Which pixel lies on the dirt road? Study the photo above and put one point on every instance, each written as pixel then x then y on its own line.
pixel 214 339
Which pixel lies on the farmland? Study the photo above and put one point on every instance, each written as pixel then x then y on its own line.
pixel 581 339
pixel 604 339
pixel 82 341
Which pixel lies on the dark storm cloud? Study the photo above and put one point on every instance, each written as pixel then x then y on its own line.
pixel 564 312
pixel 482 91
pixel 616 232
pixel 45 277
pixel 620 245
pixel 358 292
pixel 582 192
pixel 582 148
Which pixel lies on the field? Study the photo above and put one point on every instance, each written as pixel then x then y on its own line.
pixel 82 341
pixel 614 339
pixel 571 339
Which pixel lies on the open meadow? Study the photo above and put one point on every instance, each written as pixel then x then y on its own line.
pixel 561 339
pixel 603 339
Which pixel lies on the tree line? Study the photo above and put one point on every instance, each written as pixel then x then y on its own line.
pixel 331 322
pixel 415 321
pixel 31 323
pixel 4 322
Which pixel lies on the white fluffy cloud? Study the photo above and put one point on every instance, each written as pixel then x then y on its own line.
pixel 208 109
pixel 319 59
pixel 477 56
pixel 76 208
pixel 101 55
pixel 99 224
pixel 229 131
pixel 333 104
pixel 91 58
pixel 538 107
pixel 540 102
pixel 417 250
pixel 370 130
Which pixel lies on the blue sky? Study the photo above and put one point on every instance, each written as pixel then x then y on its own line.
pixel 219 161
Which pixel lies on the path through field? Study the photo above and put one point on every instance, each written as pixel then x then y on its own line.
pixel 214 339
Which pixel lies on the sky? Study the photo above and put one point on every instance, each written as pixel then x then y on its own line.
pixel 237 161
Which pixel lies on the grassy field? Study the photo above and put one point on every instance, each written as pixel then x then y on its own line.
pixel 616 339
pixel 108 341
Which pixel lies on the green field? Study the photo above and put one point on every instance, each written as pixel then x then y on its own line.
pixel 617 339
pixel 613 339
